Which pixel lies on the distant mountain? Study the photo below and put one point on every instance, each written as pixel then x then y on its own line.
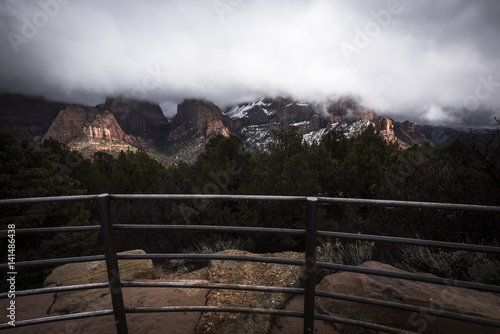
pixel 27 117
pixel 138 118
pixel 121 124
pixel 254 121
pixel 89 130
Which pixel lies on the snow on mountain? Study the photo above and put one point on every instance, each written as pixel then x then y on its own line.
pixel 297 124
pixel 241 111
pixel 314 136
pixel 352 129
pixel 257 136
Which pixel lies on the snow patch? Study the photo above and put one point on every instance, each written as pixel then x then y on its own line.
pixel 352 129
pixel 300 123
pixel 257 137
pixel 241 111
pixel 314 136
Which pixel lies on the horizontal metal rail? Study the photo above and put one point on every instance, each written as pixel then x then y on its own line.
pixel 43 230
pixel 55 289
pixel 339 267
pixel 410 204
pixel 411 277
pixel 221 286
pixel 210 228
pixel 300 232
pixel 49 199
pixel 53 262
pixel 410 308
pixel 326 294
pixel 197 256
pixel 309 263
pixel 250 198
pixel 410 241
pixel 284 313
pixel 258 198
pixel 54 318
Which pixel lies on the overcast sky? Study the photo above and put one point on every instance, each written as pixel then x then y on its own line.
pixel 425 60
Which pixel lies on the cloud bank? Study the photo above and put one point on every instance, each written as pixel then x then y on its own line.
pixel 421 60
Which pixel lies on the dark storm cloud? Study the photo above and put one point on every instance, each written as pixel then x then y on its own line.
pixel 427 61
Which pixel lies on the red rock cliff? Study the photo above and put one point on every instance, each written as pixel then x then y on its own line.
pixel 76 121
pixel 138 118
pixel 198 116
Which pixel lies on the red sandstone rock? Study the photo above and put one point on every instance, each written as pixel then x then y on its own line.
pixel 439 297
pixel 76 121
pixel 198 117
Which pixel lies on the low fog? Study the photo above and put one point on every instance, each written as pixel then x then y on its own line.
pixel 427 61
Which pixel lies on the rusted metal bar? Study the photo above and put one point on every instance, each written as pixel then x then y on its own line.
pixel 112 265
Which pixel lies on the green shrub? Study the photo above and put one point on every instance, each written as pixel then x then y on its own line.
pixel 461 265
pixel 345 253
pixel 204 247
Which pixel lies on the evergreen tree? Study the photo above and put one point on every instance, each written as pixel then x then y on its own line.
pixel 138 173
pixel 47 171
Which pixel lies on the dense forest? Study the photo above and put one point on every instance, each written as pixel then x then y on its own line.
pixel 366 166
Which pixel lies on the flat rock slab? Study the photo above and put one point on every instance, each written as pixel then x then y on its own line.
pixel 438 297
pixel 29 307
pixel 251 273
pixel 289 325
pixel 92 272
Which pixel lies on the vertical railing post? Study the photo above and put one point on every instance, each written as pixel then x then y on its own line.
pixel 310 269
pixel 112 265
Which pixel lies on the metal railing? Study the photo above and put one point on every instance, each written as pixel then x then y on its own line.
pixel 310 264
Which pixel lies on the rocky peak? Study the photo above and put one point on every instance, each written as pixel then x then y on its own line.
pixel 253 121
pixel 196 116
pixel 385 128
pixel 409 133
pixel 404 133
pixel 268 110
pixel 138 118
pixel 76 121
